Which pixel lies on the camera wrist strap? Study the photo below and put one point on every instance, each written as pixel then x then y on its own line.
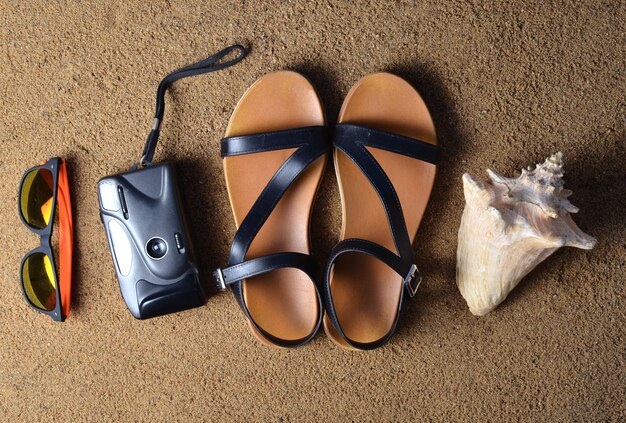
pixel 207 65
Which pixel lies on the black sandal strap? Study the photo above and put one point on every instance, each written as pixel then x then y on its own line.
pixel 352 141
pixel 409 272
pixel 310 143
pixel 387 141
pixel 234 275
pixel 275 140
pixel 260 265
pixel 313 142
pixel 355 149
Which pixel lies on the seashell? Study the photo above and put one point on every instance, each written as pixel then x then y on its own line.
pixel 509 226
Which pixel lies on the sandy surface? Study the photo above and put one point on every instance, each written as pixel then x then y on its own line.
pixel 507 87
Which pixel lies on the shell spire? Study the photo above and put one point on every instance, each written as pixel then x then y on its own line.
pixel 550 172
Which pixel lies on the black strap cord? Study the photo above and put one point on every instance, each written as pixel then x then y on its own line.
pixel 207 65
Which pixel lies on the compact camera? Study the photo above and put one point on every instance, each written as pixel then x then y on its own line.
pixel 143 217
pixel 148 236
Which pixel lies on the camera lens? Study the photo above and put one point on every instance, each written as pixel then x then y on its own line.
pixel 156 248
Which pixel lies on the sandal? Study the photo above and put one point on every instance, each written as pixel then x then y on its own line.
pixel 385 155
pixel 275 151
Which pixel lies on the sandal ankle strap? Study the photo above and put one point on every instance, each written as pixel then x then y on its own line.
pixel 264 264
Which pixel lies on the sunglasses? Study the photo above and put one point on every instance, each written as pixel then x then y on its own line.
pixel 42 189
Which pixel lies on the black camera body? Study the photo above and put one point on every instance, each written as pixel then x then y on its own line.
pixel 149 240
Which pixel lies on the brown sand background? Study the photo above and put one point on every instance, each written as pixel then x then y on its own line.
pixel 507 86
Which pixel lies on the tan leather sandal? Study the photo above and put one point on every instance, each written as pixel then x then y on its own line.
pixel 275 152
pixel 385 155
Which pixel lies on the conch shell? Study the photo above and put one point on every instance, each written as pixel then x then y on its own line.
pixel 509 226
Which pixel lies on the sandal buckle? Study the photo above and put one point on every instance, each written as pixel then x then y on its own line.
pixel 411 282
pixel 218 276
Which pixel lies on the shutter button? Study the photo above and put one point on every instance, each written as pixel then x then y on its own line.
pixel 179 243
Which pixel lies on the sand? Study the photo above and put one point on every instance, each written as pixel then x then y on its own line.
pixel 507 86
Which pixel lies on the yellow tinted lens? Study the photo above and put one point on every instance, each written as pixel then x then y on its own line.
pixel 36 198
pixel 40 281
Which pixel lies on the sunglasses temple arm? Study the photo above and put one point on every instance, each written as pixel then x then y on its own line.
pixel 66 240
